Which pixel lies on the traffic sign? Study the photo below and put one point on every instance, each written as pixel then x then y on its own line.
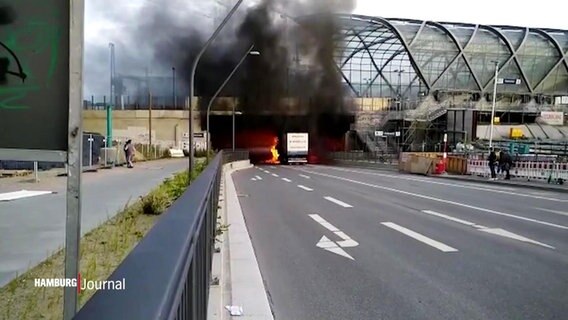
pixel 508 81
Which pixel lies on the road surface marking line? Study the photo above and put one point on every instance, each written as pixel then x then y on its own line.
pixel 338 202
pixel 258 178
pixel 305 176
pixel 467 186
pixel 275 175
pixel 286 179
pixel 253 179
pixel 510 235
pixel 342 235
pixel 305 188
pixel 417 236
pixel 317 218
pixel 326 244
pixel 8 196
pixel 434 213
pixel 553 211
pixel 494 231
pixel 446 201
pixel 330 246
pixel 347 241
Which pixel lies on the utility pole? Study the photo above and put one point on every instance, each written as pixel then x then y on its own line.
pixel 491 128
pixel 109 106
pixel 149 110
pixel 150 120
pixel 174 98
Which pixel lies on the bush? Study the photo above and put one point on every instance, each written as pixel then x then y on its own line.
pixel 156 202
pixel 203 153
pixel 177 185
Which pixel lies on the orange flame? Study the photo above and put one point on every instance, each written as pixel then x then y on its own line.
pixel 274 151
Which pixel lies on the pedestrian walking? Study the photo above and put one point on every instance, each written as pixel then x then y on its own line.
pixel 492 159
pixel 506 162
pixel 129 151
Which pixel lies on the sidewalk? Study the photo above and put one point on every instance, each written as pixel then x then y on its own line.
pixel 33 228
pixel 516 182
pixel 240 285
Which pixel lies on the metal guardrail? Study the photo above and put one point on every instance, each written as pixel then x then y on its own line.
pixel 373 157
pixel 167 274
pixel 237 155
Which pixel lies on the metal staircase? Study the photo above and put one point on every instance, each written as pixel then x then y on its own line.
pixel 366 123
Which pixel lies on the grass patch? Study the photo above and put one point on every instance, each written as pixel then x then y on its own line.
pixel 101 251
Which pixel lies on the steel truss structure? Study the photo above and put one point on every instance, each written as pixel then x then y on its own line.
pixel 383 57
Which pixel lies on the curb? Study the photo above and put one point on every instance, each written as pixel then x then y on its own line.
pixel 500 182
pixel 240 280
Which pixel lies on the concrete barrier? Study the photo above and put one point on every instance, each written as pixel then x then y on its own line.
pixel 420 165
pixel 456 165
pixel 176 153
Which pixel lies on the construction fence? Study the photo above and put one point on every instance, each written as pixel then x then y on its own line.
pixel 546 170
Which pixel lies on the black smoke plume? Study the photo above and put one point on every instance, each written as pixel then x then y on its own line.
pixel 295 72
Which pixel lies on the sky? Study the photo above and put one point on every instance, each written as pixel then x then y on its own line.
pixel 494 12
pixel 113 20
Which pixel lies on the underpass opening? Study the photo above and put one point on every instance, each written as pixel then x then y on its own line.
pixel 263 135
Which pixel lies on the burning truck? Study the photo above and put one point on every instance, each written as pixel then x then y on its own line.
pixel 296 148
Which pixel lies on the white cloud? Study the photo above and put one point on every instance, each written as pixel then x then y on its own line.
pixel 547 14
pixel 116 21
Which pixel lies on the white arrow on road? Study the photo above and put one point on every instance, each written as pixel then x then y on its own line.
pixel 334 246
pixel 330 246
pixel 495 231
pixel 514 236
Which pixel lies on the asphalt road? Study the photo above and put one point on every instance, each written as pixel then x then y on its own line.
pixel 404 247
pixel 33 228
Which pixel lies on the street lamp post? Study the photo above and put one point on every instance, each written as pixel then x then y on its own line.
pixel 491 127
pixel 192 79
pixel 111 96
pixel 249 52
pixel 400 72
pixel 234 113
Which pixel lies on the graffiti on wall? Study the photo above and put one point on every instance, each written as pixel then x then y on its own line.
pixel 24 39
pixel 7 17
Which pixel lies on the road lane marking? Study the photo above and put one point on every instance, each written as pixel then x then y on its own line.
pixel 417 236
pixel 286 179
pixel 553 211
pixel 268 172
pixel 433 213
pixel 305 188
pixel 444 201
pixel 253 179
pixel 495 231
pixel 258 178
pixel 493 189
pixel 338 202
pixel 305 176
pixel 9 196
pixel 275 175
pixel 510 235
pixel 346 242
pixel 331 246
pixel 317 218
